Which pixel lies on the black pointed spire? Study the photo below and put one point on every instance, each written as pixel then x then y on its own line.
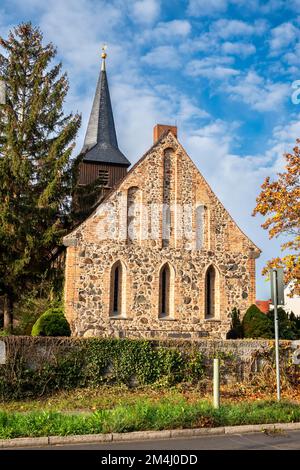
pixel 100 143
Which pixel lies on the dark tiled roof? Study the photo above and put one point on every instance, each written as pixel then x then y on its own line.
pixel 100 143
pixel 105 153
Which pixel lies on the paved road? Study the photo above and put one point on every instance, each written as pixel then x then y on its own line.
pixel 256 441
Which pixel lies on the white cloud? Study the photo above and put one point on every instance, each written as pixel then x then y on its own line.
pixel 79 30
pixel 214 68
pixel 208 144
pixel 215 7
pixel 207 8
pixel 260 94
pixel 206 42
pixel 282 36
pixel 163 56
pixel 288 133
pixel 232 28
pixel 215 41
pixel 293 58
pixel 295 5
pixel 145 11
pixel 167 31
pixel 188 110
pixel 238 48
pixel 142 107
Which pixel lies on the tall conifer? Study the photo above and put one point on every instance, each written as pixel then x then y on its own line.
pixel 36 141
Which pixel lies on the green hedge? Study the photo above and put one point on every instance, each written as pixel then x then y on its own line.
pixel 91 362
pixel 51 323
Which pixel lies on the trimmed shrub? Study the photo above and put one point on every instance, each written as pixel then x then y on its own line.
pixel 256 324
pixel 51 323
pixel 236 330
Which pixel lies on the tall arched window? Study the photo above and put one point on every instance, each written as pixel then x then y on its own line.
pixel 166 291
pixel 210 293
pixel 117 300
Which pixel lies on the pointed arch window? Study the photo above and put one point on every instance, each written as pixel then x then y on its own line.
pixel 210 292
pixel 166 291
pixel 117 285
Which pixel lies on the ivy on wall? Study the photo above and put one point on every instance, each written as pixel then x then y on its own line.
pixel 37 366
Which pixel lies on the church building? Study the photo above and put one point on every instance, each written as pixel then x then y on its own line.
pixel 159 257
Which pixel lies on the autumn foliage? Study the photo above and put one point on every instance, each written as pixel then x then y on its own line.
pixel 279 202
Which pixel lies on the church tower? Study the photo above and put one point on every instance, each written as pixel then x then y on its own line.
pixel 102 163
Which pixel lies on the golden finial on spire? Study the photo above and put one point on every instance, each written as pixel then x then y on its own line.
pixel 103 56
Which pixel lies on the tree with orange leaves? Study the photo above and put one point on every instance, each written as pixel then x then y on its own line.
pixel 279 201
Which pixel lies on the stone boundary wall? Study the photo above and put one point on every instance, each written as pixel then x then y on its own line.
pixel 240 359
pixel 38 350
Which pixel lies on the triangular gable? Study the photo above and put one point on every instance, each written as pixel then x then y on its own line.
pixel 169 139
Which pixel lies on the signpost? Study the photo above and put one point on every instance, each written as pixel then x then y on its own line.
pixel 277 295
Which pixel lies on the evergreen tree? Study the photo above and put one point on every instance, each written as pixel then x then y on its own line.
pixel 236 329
pixel 36 141
pixel 296 322
pixel 256 324
pixel 287 326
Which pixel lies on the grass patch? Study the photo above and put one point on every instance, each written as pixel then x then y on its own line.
pixel 90 399
pixel 145 415
pixel 103 397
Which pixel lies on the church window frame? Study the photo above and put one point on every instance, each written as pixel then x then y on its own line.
pixel 166 291
pixel 117 290
pixel 212 293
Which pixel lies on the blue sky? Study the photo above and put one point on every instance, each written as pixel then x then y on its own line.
pixel 222 70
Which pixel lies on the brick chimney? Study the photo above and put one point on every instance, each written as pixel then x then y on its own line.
pixel 159 129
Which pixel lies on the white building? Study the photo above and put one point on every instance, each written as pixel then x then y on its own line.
pixel 292 304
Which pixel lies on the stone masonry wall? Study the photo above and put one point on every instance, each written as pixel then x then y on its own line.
pixel 90 257
pixel 240 359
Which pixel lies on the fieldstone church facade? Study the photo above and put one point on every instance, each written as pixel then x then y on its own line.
pixel 160 257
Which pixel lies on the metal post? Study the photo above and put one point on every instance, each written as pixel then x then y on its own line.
pixel 216 383
pixel 274 274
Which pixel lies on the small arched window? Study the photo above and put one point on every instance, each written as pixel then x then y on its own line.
pixel 117 301
pixel 210 292
pixel 166 291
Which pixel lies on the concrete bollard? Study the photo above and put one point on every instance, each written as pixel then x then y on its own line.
pixel 216 383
